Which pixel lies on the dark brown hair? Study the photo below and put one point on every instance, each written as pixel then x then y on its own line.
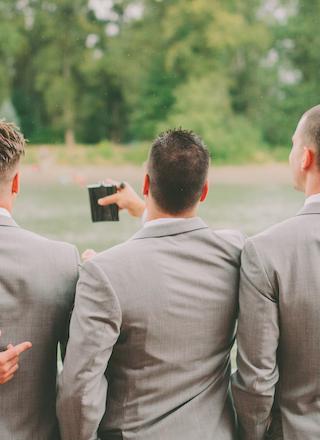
pixel 12 145
pixel 178 166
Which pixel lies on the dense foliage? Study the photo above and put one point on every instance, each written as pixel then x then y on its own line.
pixel 238 72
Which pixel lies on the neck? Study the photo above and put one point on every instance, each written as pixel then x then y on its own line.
pixel 312 184
pixel 4 204
pixel 165 215
pixel 155 213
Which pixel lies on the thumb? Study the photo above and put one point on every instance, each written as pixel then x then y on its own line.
pixel 108 200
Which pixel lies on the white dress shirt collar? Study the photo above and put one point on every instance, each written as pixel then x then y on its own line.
pixel 157 221
pixel 4 211
pixel 161 221
pixel 312 199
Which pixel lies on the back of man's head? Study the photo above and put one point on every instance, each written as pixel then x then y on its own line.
pixel 310 131
pixel 11 149
pixel 178 166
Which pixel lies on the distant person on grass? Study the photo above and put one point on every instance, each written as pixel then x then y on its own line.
pixel 37 286
pixel 154 318
pixel 278 377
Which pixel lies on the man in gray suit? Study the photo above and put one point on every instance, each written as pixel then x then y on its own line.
pixel 279 317
pixel 154 318
pixel 37 287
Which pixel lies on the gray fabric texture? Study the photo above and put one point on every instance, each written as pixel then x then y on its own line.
pixel 279 329
pixel 37 286
pixel 150 338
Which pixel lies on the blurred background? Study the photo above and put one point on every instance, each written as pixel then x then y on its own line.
pixel 91 82
pixel 238 72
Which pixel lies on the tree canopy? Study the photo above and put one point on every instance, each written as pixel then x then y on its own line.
pixel 238 72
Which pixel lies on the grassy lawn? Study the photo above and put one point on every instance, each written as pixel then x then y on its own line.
pixel 106 153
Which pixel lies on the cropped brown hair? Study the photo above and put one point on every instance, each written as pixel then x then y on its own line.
pixel 311 131
pixel 12 145
pixel 178 166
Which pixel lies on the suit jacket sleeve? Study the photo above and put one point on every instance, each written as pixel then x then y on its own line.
pixel 94 329
pixel 65 334
pixel 253 385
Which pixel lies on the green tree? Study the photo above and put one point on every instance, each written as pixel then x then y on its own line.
pixel 299 44
pixel 70 78
pixel 177 41
pixel 289 79
pixel 52 88
pixel 62 29
pixel 216 49
pixel 11 43
pixel 137 58
pixel 203 105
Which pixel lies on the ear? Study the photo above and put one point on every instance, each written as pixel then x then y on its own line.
pixel 308 158
pixel 205 191
pixel 145 186
pixel 16 184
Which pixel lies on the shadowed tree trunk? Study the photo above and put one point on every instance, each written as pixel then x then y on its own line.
pixel 69 137
pixel 68 107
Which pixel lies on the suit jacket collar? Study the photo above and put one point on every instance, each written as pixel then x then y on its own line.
pixel 174 228
pixel 7 221
pixel 310 208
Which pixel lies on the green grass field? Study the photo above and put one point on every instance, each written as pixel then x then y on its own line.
pixel 106 153
pixel 61 212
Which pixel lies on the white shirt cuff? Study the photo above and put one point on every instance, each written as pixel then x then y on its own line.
pixel 144 217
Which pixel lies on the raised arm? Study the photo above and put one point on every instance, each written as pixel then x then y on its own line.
pixel 125 198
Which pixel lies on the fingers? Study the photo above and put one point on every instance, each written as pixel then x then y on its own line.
pixel 7 368
pixel 112 182
pixel 89 253
pixel 12 368
pixel 6 379
pixel 114 198
pixel 125 198
pixel 22 347
pixel 119 185
pixel 13 352
pixel 9 360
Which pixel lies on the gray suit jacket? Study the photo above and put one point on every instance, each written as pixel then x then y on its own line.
pixel 150 338
pixel 37 286
pixel 279 329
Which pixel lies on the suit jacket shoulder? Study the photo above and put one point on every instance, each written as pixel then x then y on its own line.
pixel 38 281
pixel 288 227
pixel 195 227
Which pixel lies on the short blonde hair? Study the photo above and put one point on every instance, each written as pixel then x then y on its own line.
pixel 12 145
